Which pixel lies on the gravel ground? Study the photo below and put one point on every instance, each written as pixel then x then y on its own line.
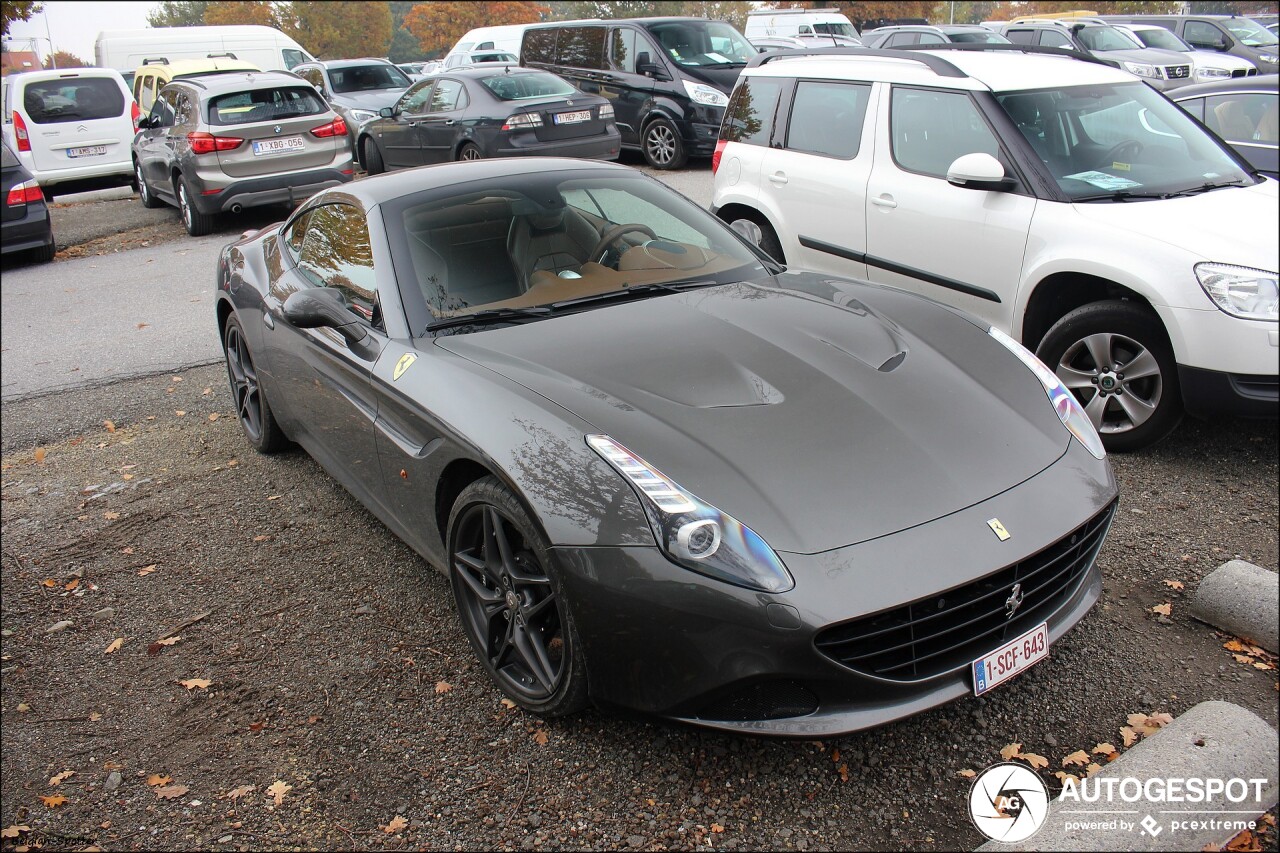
pixel 336 664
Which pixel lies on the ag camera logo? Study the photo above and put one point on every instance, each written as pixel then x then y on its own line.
pixel 1008 803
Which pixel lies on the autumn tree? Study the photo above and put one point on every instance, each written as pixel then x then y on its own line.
pixel 339 30
pixel 21 10
pixel 404 47
pixel 236 12
pixel 63 59
pixel 438 25
pixel 575 9
pixel 872 12
pixel 1007 11
pixel 178 13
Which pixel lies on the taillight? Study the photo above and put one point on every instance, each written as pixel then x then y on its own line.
pixel 24 193
pixel 606 112
pixel 20 132
pixel 715 156
pixel 337 127
pixel 522 120
pixel 135 114
pixel 207 143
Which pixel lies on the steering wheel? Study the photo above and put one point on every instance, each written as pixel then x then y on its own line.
pixel 1132 146
pixel 611 236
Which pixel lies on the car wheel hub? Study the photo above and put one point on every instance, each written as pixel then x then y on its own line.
pixel 1116 379
pixel 661 145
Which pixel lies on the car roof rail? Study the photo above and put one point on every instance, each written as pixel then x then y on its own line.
pixel 936 64
pixel 1069 52
pixel 156 60
pixel 221 56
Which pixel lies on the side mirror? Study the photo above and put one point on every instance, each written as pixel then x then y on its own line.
pixel 144 123
pixel 978 171
pixel 322 307
pixel 387 112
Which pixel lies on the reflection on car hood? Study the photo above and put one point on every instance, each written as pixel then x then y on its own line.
pixel 372 101
pixel 1145 55
pixel 802 410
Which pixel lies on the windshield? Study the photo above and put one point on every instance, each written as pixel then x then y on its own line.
pixel 520 87
pixel 1250 32
pixel 1104 39
pixel 534 239
pixel 367 78
pixel 836 29
pixel 703 43
pixel 494 57
pixel 1162 38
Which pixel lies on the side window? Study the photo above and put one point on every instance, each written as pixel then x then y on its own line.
pixel 163 108
pixel 1021 36
pixel 1053 38
pixel 184 110
pixel 314 76
pixel 540 45
pixel 1202 35
pixel 1240 118
pixel 752 110
pixel 581 47
pixel 622 49
pixel 931 129
pixel 296 231
pixel 293 58
pixel 1195 107
pixel 147 92
pixel 449 95
pixel 931 38
pixel 336 253
pixel 899 39
pixel 826 118
pixel 415 99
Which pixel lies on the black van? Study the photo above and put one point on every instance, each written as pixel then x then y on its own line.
pixel 668 79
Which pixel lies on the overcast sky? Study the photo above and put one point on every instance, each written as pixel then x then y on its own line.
pixel 74 26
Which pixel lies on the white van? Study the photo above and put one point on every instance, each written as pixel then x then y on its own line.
pixel 71 127
pixel 489 39
pixel 822 27
pixel 265 47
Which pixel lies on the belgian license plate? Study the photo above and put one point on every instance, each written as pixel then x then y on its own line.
pixel 1013 657
pixel 87 151
pixel 572 118
pixel 277 146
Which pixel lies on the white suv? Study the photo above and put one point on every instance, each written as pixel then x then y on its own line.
pixel 1062 201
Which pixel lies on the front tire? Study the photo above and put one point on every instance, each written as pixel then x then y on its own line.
pixel 511 603
pixel 662 146
pixel 373 163
pixel 1116 358
pixel 252 408
pixel 198 224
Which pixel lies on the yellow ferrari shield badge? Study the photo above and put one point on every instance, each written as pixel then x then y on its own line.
pixel 406 361
pixel 998 529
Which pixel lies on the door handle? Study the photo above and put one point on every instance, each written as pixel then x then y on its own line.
pixel 450 121
pixel 884 201
pixel 411 124
pixel 778 178
pixel 267 321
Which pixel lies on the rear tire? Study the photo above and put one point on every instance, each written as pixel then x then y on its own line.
pixel 45 253
pixel 144 194
pixel 1116 358
pixel 470 151
pixel 662 146
pixel 198 224
pixel 373 158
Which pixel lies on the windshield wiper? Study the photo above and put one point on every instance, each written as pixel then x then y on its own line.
pixel 1204 188
pixel 492 315
pixel 1125 195
pixel 638 291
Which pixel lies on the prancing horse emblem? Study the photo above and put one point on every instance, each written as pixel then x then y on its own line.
pixel 1014 601
pixel 998 529
pixel 405 362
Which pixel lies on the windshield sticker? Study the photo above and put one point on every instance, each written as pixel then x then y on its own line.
pixel 717 57
pixel 1103 181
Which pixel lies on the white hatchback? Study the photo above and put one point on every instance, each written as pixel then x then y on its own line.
pixel 1061 201
pixel 71 128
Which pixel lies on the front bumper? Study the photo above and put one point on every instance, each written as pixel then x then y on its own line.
pixel 1206 393
pixel 291 188
pixel 665 641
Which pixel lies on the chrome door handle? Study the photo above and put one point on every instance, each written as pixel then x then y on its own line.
pixel 450 121
pixel 267 321
pixel 412 124
pixel 884 201
pixel 778 178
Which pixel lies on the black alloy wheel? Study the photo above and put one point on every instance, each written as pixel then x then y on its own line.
pixel 511 607
pixel 470 151
pixel 252 408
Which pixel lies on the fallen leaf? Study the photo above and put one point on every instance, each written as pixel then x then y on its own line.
pixel 1245 842
pixel 1159 720
pixel 508 704
pixel 49 582
pixel 1063 776
pixel 835 756
pixel 23 707
pixel 237 793
pixel 143 325
pixel 115 646
pixel 274 497
pixel 1129 735
pixel 278 789
pixel 715 827
pixel 443 687
pixel 1261 665
pixel 257 727
pixel 1243 659
pixel 54 800
pixel 177 378
pixel 540 737
pixel 179 412
pixel 843 770
pixel 206 392
pixel 146 570
pixel 1173 584
pixel 128 549
pixel 1010 751
pixel 126 477
pixel 110 425
pixel 158 779
pixel 213 417
pixel 397 824
pixel 263 538
pixel 94 716
pixel 13 831
pixel 193 683
pixel 58 779
pixel 1103 749
pixel 1163 609
pixel 1036 761
pixel 40 454
pixel 171 792
pixel 110 516
pixel 968 774
pixel 71 584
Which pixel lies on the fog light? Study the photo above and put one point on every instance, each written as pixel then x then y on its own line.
pixel 698 540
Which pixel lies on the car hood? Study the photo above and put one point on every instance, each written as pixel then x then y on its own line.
pixel 1145 55
pixel 802 409
pixel 372 101
pixel 1236 225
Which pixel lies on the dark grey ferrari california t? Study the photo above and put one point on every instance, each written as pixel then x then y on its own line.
pixel 662 472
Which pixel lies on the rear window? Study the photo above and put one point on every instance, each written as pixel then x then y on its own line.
pixel 73 99
pixel 519 87
pixel 265 105
pixel 367 78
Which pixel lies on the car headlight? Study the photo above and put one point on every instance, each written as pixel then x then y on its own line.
pixel 1064 402
pixel 692 533
pixel 1212 73
pixel 1240 291
pixel 361 116
pixel 1143 70
pixel 704 94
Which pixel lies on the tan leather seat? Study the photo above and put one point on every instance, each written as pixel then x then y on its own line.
pixel 1232 122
